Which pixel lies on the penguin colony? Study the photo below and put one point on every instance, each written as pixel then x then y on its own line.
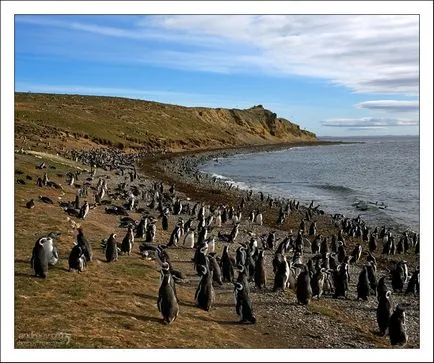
pixel 312 265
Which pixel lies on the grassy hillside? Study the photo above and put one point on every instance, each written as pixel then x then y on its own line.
pixel 138 124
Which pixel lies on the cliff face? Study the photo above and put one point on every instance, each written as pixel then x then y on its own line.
pixel 148 125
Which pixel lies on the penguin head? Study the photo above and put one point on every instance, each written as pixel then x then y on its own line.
pixel 165 266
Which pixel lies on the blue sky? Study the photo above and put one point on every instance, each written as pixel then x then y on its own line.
pixel 334 75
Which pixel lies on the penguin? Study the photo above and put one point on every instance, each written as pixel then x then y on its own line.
pixel 204 295
pixel 370 269
pixel 341 280
pixel 413 285
pixel 324 248
pixel 211 244
pixel 242 278
pixel 303 287
pixel 381 287
pixel 175 236
pixel 315 246
pixel 162 256
pixel 85 245
pixel 260 276
pixel 397 329
pixel 357 252
pixel 30 204
pixel 271 239
pixel 259 218
pixel 111 250
pixel 281 273
pixel 200 258
pixel 141 228
pixel 128 241
pixel 77 260
pixel 151 231
pixel 241 256
pixel 399 276
pixel 218 219
pixel 46 199
pixel 215 268
pixel 84 210
pixel 341 252
pixel 384 312
pixel 189 238
pixel 243 304
pixel 234 233
pixel 165 222
pixel 372 242
pixel 167 301
pixel 227 265
pixel 317 283
pixel 363 288
pixel 43 255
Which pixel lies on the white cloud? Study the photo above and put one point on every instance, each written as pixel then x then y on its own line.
pixel 369 122
pixel 366 53
pixel 393 106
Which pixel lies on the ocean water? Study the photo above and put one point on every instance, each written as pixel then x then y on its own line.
pixel 377 178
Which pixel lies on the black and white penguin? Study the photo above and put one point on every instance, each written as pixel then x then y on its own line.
pixel 341 280
pixel 341 252
pixel 167 301
pixel 399 276
pixel 356 254
pixel 241 256
pixel 243 277
pixel 189 238
pixel 397 329
pixel 204 296
pixel 243 304
pixel 215 268
pixel 111 249
pixel 30 204
pixel 141 228
pixel 226 265
pixel 324 248
pixel 304 288
pixel 316 243
pixel 43 254
pixel 281 272
pixel 317 283
pixel 151 231
pixel 128 241
pixel 260 276
pixel 370 269
pixel 271 240
pixel 413 286
pixel 84 210
pixel 381 287
pixel 85 245
pixel 384 312
pixel 77 259
pixel 199 258
pixel 363 288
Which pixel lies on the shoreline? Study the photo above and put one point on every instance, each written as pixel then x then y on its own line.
pixel 183 169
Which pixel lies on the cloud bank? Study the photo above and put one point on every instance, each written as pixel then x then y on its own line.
pixel 390 106
pixel 366 53
pixel 369 122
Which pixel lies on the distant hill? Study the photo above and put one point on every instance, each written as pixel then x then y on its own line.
pixel 145 125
